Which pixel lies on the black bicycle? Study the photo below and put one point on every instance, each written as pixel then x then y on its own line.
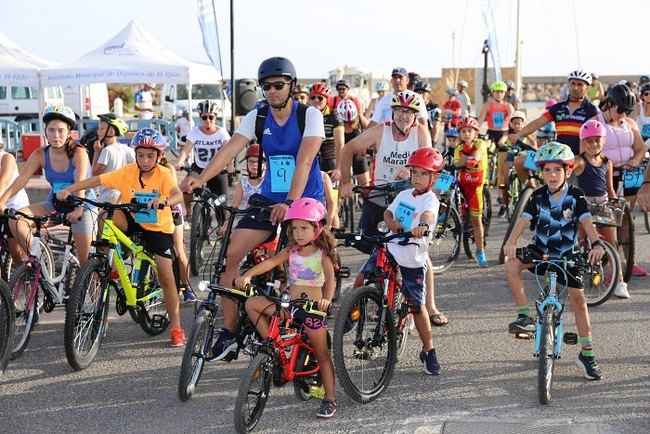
pixel 198 349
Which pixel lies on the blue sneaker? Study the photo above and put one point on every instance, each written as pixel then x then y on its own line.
pixel 430 361
pixel 327 409
pixel 188 295
pixel 226 343
pixel 589 367
pixel 481 259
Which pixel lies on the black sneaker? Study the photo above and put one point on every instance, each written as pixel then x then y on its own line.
pixel 589 367
pixel 430 361
pixel 503 211
pixel 524 323
pixel 327 409
pixel 226 343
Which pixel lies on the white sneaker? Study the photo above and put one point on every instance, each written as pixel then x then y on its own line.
pixel 621 290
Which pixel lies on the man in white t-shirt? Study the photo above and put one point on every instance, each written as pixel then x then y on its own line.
pixel 109 153
pixel 463 97
pixel 383 111
pixel 144 101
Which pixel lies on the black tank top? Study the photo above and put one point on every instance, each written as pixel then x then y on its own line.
pixel 593 180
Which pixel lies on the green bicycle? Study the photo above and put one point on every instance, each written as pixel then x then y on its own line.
pixel 140 293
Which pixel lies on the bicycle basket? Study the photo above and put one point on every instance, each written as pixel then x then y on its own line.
pixel 606 211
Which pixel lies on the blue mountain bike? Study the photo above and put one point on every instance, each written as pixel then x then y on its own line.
pixel 549 331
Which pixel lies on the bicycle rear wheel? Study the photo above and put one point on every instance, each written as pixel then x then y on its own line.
pixel 86 314
pixel 524 196
pixel 546 356
pixel 604 277
pixel 646 220
pixel 445 245
pixel 254 389
pixel 625 244
pixel 152 313
pixel 20 285
pixel 195 355
pixel 7 317
pixel 364 353
pixel 513 194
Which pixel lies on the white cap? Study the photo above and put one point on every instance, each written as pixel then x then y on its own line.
pixel 462 83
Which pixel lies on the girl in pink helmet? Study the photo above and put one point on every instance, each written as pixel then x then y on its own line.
pixel 309 256
pixel 594 172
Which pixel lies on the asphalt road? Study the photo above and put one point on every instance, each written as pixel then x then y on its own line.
pixel 488 381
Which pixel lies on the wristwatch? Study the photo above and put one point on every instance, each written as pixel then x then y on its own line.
pixel 597 243
pixel 288 202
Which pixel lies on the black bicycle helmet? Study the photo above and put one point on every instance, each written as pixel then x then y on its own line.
pixel 422 86
pixel 342 83
pixel 276 66
pixel 623 97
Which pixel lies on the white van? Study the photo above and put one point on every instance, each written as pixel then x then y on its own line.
pixel 93 101
pixel 175 99
pixel 18 103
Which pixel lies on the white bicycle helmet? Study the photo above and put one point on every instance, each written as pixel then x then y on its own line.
pixel 579 74
pixel 348 110
pixel 381 86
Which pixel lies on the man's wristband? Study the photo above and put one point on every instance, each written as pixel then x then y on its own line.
pixel 598 243
pixel 644 183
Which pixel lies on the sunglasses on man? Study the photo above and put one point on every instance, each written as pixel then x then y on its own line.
pixel 277 85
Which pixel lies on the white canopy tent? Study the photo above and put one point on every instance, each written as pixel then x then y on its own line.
pixel 131 56
pixel 17 67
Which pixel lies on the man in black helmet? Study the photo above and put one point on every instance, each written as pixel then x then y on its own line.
pixel 292 172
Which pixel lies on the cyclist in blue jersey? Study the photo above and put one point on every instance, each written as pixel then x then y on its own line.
pixel 292 172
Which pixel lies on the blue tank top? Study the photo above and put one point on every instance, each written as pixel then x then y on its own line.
pixel 593 180
pixel 281 145
pixel 61 180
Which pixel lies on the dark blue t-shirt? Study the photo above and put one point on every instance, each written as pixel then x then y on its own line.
pixel 555 222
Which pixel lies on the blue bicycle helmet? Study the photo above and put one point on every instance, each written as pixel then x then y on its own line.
pixel 276 66
pixel 452 132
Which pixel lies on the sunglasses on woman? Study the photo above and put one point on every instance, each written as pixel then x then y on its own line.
pixel 206 117
pixel 318 97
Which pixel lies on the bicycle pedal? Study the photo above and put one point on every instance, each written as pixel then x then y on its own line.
pixel 361 355
pixel 570 338
pixel 524 335
pixel 343 273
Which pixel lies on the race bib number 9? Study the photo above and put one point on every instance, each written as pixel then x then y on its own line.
pixel 498 120
pixel 282 168
pixel 404 214
pixel 147 215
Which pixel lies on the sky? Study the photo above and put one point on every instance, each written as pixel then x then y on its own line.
pixel 557 35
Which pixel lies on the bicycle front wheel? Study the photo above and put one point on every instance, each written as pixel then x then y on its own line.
pixel 254 389
pixel 23 292
pixel 195 355
pixel 600 284
pixel 86 314
pixel 546 356
pixel 197 238
pixel 445 245
pixel 364 353
pixel 152 313
pixel 7 331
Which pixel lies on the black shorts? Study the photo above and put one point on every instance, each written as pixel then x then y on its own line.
pixel 327 164
pixel 359 164
pixel 158 243
pixel 217 185
pixel 574 276
pixel 495 135
pixel 259 220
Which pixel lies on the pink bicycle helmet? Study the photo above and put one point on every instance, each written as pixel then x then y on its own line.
pixel 550 103
pixel 348 110
pixel 307 209
pixel 592 128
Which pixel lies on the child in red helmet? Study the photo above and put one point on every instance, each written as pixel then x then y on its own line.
pixel 472 155
pixel 416 210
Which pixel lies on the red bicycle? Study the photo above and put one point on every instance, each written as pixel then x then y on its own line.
pixel 372 325
pixel 285 355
